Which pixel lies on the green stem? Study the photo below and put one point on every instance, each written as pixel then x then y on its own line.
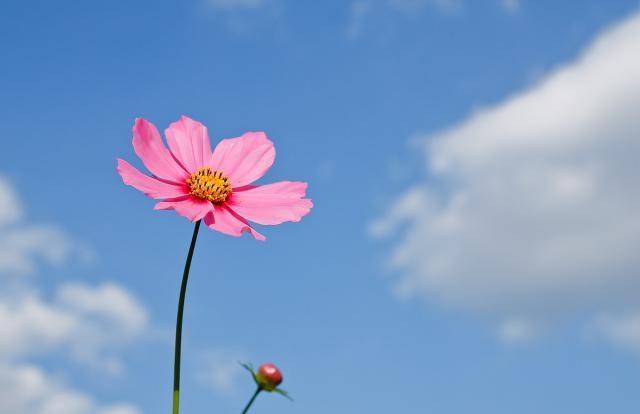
pixel 255 394
pixel 183 292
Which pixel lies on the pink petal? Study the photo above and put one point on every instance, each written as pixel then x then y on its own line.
pixel 244 159
pixel 189 141
pixel 154 155
pixel 192 208
pixel 272 203
pixel 152 187
pixel 226 221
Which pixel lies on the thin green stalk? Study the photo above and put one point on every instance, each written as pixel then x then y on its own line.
pixel 183 292
pixel 255 394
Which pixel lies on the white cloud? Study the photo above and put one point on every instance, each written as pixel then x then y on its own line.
pixel 219 370
pixel 540 216
pixel 30 326
pixel 107 318
pixel 21 245
pixel 26 389
pixel 87 322
pixel 20 248
pixel 10 208
pixel 81 322
pixel 83 318
pixel 109 303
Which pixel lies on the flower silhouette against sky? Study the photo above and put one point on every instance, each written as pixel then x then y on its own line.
pixel 216 186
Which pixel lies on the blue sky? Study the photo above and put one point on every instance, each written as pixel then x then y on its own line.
pixel 472 245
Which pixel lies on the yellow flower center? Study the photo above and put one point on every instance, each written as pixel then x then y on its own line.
pixel 210 185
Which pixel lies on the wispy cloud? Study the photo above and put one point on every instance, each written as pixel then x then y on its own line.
pixel 357 18
pixel 219 370
pixel 237 4
pixel 511 6
pixel 412 7
pixel 540 218
pixel 364 15
pixel 245 17
pixel 621 329
pixel 22 244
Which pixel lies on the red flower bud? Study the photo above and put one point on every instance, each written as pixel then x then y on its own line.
pixel 268 377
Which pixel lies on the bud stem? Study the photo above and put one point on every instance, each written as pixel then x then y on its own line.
pixel 255 394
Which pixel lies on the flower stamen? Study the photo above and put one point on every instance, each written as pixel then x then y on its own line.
pixel 210 185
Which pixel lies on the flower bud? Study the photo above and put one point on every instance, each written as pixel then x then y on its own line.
pixel 268 377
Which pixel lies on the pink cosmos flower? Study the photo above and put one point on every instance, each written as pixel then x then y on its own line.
pixel 213 185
